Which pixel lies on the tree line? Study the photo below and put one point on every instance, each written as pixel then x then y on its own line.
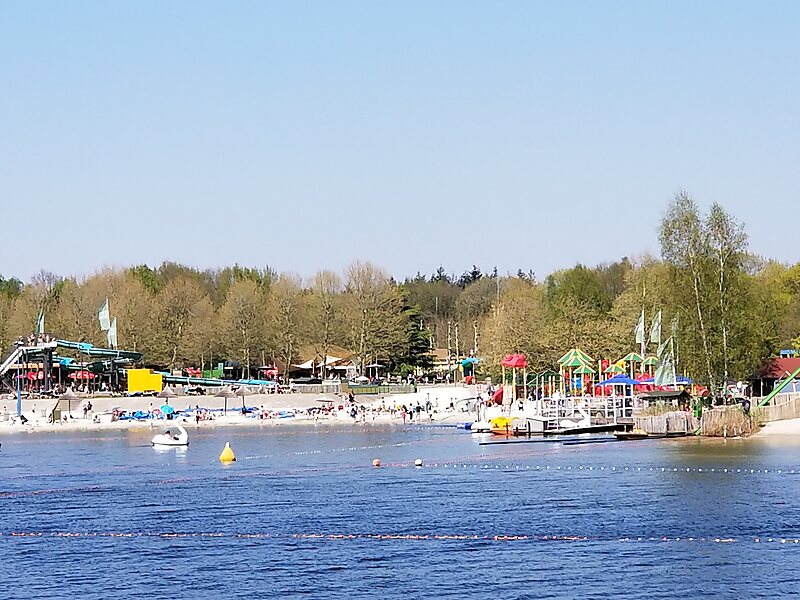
pixel 726 308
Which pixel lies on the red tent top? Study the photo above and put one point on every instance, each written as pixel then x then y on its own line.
pixel 515 361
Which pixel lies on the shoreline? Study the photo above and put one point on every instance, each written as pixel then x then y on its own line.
pixel 785 427
pixel 377 411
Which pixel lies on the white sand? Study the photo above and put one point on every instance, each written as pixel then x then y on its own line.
pixel 36 411
pixel 776 428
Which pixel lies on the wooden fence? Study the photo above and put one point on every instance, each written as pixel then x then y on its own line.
pixel 677 422
pixel 782 406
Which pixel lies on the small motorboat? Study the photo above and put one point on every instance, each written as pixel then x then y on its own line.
pixel 174 435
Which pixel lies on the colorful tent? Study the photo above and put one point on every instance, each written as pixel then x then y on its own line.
pixel 632 357
pixel 650 361
pixel 614 368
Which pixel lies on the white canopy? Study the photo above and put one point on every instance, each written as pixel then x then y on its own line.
pixel 310 363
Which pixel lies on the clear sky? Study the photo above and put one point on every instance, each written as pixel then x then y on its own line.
pixel 304 135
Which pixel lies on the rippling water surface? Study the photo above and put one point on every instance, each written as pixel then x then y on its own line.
pixel 302 512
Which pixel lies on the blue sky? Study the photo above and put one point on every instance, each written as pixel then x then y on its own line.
pixel 305 135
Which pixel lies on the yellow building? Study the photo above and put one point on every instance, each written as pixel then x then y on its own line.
pixel 144 380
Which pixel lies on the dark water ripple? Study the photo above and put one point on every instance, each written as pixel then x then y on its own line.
pixel 176 524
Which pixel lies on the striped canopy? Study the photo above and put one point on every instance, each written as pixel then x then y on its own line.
pixel 574 358
pixel 632 357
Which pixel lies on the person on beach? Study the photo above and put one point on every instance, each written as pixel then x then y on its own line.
pixel 197 414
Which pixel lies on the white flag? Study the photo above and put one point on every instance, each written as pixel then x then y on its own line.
pixel 655 329
pixel 112 334
pixel 640 329
pixel 104 317
pixel 40 322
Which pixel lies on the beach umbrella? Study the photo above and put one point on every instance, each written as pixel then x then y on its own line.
pixel 242 392
pixel 620 380
pixel 225 393
pixel 167 393
pixel 69 396
pixel 167 409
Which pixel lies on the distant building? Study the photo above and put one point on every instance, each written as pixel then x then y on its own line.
pixel 772 370
pixel 443 362
pixel 339 362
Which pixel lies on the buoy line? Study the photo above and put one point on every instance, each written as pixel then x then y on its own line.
pixel 424 537
pixel 450 466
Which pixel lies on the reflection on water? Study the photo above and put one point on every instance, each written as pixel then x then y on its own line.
pixel 303 512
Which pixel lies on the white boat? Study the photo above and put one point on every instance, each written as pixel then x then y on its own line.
pixel 481 427
pixel 174 435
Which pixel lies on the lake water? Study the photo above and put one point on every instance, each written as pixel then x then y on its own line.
pixel 101 515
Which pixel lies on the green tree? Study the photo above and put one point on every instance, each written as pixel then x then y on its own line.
pixel 285 325
pixel 242 323
pixel 324 308
pixel 375 324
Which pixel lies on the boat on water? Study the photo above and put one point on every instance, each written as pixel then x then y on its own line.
pixel 481 427
pixel 503 425
pixel 174 435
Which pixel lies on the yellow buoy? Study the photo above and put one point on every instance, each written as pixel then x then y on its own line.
pixel 227 454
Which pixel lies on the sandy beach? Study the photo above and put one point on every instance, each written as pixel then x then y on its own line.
pixel 787 427
pixel 280 410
